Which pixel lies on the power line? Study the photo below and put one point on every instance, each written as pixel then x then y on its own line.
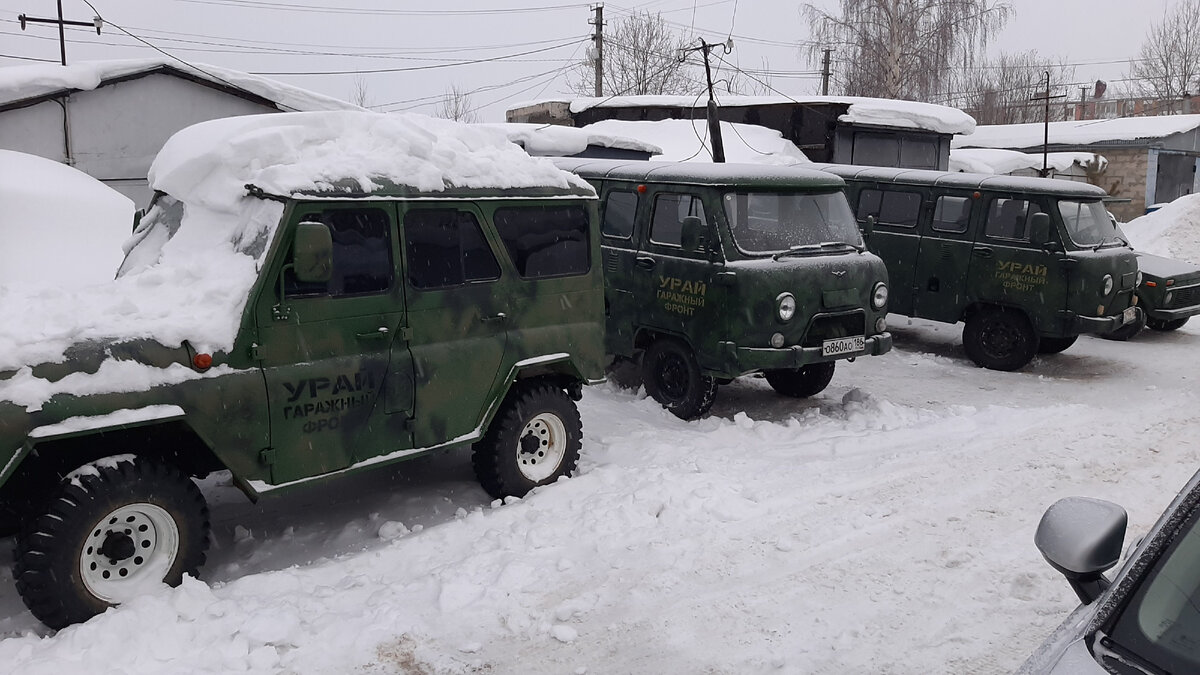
pixel 415 68
pixel 325 9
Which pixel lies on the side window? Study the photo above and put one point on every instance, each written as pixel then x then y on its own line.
pixel 890 207
pixel 873 149
pixel 952 214
pixel 445 247
pixel 362 255
pixel 1009 218
pixel 546 241
pixel 620 208
pixel 669 212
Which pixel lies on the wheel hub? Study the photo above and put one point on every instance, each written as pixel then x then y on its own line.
pixel 131 545
pixel 541 447
pixel 673 377
pixel 117 546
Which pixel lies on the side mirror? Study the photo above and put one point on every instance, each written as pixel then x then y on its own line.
pixel 868 227
pixel 137 218
pixel 312 253
pixel 1081 538
pixel 691 233
pixel 1039 229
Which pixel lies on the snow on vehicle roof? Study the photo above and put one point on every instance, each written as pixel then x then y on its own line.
pixel 687 140
pixel 555 140
pixel 1076 132
pixel 18 83
pixel 195 256
pixel 993 160
pixel 873 111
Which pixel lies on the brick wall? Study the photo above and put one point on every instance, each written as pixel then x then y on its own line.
pixel 1125 177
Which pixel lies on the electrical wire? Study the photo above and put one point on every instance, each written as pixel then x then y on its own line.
pixel 361 71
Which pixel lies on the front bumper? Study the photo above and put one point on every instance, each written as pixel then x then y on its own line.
pixel 1173 314
pixel 741 360
pixel 1101 325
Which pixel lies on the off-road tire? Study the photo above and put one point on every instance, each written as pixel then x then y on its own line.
pixel 1165 325
pixel 1055 345
pixel 1127 331
pixel 672 377
pixel 802 383
pixel 52 551
pixel 533 440
pixel 1000 339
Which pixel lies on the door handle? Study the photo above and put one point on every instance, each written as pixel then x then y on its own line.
pixel 645 262
pixel 495 317
pixel 377 334
pixel 982 251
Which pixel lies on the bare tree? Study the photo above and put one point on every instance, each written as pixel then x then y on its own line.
pixel 359 95
pixel 456 105
pixel 902 48
pixel 1001 91
pixel 641 56
pixel 1168 65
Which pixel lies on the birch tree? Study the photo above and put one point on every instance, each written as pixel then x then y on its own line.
pixel 1168 64
pixel 641 56
pixel 1001 90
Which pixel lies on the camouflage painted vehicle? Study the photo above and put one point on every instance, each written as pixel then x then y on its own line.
pixel 380 327
pixel 1169 294
pixel 713 271
pixel 1028 264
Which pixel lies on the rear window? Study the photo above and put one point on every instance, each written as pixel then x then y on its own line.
pixel 620 208
pixel 545 241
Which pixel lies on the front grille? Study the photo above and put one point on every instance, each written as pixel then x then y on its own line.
pixel 830 326
pixel 1185 297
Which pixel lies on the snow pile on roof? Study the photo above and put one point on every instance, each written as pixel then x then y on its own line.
pixel 995 161
pixel 1172 231
pixel 191 282
pixel 18 83
pixel 687 140
pixel 1077 132
pixel 874 111
pixel 58 224
pixel 554 140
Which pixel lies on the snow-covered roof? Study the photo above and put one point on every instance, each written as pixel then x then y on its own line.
pixel 1077 132
pixel 990 160
pixel 687 140
pixel 19 83
pixel 554 140
pixel 873 111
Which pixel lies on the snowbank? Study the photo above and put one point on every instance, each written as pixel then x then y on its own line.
pixel 553 140
pixel 192 284
pixel 687 140
pixel 996 161
pixel 1172 231
pixel 58 225
pixel 18 83
pixel 1076 132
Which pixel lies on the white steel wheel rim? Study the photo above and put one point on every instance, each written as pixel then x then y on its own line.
pixel 127 550
pixel 541 447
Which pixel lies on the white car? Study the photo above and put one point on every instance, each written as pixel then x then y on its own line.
pixel 1146 620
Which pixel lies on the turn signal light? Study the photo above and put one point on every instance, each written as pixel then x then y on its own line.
pixel 202 361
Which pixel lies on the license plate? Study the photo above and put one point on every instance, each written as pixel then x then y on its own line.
pixel 843 345
pixel 1128 315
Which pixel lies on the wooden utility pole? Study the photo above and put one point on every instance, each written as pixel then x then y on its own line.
pixel 598 40
pixel 62 24
pixel 825 71
pixel 714 118
pixel 1046 130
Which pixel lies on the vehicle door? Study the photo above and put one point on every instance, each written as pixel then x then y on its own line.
pixel 457 317
pixel 619 216
pixel 677 283
pixel 1008 269
pixel 895 238
pixel 945 258
pixel 324 347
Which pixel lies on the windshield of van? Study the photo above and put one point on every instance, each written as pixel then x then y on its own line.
pixel 1088 223
pixel 770 222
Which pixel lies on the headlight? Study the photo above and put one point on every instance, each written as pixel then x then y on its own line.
pixel 879 296
pixel 1108 284
pixel 1138 282
pixel 787 306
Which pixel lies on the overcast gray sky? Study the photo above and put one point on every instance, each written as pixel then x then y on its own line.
pixel 522 50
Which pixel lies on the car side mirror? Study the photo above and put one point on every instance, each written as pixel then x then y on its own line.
pixel 1081 538
pixel 312 253
pixel 1039 224
pixel 868 227
pixel 691 233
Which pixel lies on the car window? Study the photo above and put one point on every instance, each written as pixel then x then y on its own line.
pixel 362 255
pixel 1088 223
pixel 446 247
pixel 1008 218
pixel 951 214
pixel 769 222
pixel 890 207
pixel 545 241
pixel 620 207
pixel 670 209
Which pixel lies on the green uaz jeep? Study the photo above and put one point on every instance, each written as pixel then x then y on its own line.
pixel 1027 263
pixel 713 271
pixel 384 287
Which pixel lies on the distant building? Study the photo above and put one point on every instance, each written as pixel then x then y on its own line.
pixel 110 118
pixel 845 130
pixel 1150 159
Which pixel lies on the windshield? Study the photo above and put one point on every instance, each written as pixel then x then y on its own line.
pixel 770 222
pixel 1088 223
pixel 1161 624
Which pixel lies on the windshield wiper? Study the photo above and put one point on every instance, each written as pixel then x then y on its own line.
pixel 816 248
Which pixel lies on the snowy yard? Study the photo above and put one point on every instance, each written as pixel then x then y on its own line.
pixel 883 527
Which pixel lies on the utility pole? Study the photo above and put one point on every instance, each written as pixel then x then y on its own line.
pixel 714 118
pixel 62 23
pixel 1046 138
pixel 598 40
pixel 825 71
